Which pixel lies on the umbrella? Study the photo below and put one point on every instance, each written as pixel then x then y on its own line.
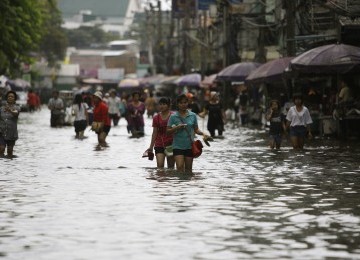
pixel 269 71
pixel 327 59
pixel 128 83
pixel 191 80
pixel 152 80
pixel 237 71
pixel 169 80
pixel 92 81
pixel 208 81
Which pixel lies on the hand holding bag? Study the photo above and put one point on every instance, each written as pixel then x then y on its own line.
pixel 168 150
pixel 97 126
pixel 196 148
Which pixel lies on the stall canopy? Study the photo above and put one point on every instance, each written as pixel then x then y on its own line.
pixel 327 59
pixel 237 72
pixel 270 71
pixel 190 80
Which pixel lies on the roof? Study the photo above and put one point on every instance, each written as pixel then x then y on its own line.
pixel 123 42
pixel 104 8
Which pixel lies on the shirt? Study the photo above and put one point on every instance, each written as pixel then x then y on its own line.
pixel 114 103
pixel 162 139
pixel 276 122
pixel 101 113
pixel 8 123
pixel 80 113
pixel 184 136
pixel 296 118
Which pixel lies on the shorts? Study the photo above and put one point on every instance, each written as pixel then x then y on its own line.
pixel 80 125
pixel 298 131
pixel 159 150
pixel 106 129
pixel 276 138
pixel 4 142
pixel 186 152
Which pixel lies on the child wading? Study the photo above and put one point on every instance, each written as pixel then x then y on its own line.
pixel 277 124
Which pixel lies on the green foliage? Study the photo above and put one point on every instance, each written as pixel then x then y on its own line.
pixel 20 25
pixel 29 27
pixel 54 42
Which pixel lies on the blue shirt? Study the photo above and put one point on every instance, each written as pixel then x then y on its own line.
pixel 181 137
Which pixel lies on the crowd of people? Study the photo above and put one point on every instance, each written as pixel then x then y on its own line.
pixel 173 131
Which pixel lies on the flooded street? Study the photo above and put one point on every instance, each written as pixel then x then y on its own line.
pixel 61 198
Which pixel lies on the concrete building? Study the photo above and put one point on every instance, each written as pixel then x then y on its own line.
pixel 114 16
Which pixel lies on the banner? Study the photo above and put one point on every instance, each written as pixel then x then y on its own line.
pixel 181 8
pixel 204 4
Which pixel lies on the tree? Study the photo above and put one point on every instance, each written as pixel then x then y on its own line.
pixel 21 28
pixel 85 37
pixel 29 28
pixel 54 41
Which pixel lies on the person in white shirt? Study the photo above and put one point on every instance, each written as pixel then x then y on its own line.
pixel 114 103
pixel 299 120
pixel 80 112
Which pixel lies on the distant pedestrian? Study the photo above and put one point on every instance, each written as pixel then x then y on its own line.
pixel 101 124
pixel 31 100
pixel 193 104
pixel 277 124
pixel 114 103
pixel 135 115
pixel 183 125
pixel 160 140
pixel 79 109
pixel 9 114
pixel 217 118
pixel 56 106
pixel 90 111
pixel 150 105
pixel 299 120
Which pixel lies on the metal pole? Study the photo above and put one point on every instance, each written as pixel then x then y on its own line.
pixel 290 27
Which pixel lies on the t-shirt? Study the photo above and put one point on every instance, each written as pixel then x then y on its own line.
pixel 162 139
pixel 101 114
pixel 276 122
pixel 301 118
pixel 184 136
pixel 80 113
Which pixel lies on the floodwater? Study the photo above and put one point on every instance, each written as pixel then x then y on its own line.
pixel 62 198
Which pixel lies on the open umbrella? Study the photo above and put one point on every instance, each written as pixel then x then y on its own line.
pixel 191 80
pixel 151 80
pixel 92 81
pixel 237 72
pixel 269 71
pixel 327 59
pixel 128 83
pixel 208 81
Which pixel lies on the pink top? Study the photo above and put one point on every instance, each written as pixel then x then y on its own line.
pixel 162 139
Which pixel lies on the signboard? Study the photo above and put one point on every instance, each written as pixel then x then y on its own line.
pixel 111 74
pixel 204 4
pixel 182 8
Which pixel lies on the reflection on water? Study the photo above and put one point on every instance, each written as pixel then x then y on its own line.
pixel 64 199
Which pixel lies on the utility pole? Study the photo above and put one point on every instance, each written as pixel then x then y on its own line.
pixel 170 47
pixel 159 42
pixel 290 27
pixel 260 55
pixel 226 30
pixel 186 47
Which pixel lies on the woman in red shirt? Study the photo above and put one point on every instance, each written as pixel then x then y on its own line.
pixel 101 115
pixel 159 139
